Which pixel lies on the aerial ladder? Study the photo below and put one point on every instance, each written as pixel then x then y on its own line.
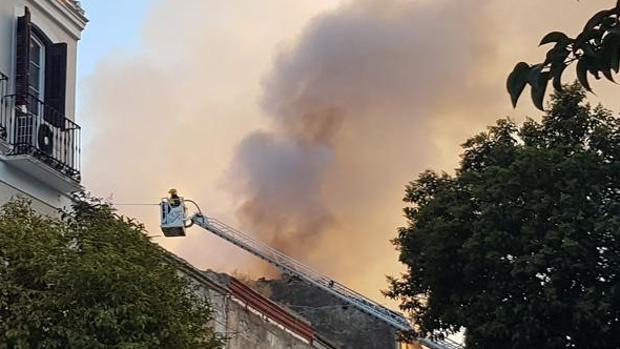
pixel 175 220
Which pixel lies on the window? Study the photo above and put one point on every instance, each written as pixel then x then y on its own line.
pixel 38 126
pixel 41 73
pixel 36 72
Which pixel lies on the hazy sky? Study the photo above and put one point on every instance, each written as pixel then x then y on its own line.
pixel 300 121
pixel 114 26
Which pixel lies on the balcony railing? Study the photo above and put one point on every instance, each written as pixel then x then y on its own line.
pixel 40 131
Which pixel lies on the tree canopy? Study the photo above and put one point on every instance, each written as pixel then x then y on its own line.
pixel 521 247
pixel 92 280
pixel 596 50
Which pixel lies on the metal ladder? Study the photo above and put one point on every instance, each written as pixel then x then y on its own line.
pixel 290 266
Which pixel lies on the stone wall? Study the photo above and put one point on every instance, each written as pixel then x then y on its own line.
pixel 343 325
pixel 243 326
pixel 248 329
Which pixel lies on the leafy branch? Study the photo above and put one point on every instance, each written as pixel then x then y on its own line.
pixel 596 50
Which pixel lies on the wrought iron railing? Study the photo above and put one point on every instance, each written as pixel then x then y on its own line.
pixel 38 130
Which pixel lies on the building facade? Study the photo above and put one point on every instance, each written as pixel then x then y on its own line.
pixel 247 319
pixel 39 136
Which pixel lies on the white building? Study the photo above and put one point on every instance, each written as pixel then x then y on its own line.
pixel 39 138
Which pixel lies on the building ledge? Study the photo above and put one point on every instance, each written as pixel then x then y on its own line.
pixel 66 13
pixel 44 173
pixel 75 6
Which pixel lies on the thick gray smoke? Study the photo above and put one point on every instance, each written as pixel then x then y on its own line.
pixel 368 95
pixel 284 171
pixel 348 103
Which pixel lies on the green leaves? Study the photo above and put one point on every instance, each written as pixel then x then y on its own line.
pixel 582 74
pixel 611 49
pixel 557 72
pixel 520 246
pixel 598 18
pixel 517 80
pixel 554 37
pixel 524 74
pixel 92 280
pixel 539 81
pixel 596 50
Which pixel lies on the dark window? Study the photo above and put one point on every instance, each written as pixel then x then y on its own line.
pixel 22 76
pixel 41 73
pixel 55 83
pixel 36 74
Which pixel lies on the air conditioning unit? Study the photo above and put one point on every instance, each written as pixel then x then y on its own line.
pixel 47 141
pixel 34 132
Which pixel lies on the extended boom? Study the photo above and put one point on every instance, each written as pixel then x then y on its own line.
pixel 175 221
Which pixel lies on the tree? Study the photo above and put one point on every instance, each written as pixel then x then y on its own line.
pixel 92 279
pixel 521 247
pixel 596 50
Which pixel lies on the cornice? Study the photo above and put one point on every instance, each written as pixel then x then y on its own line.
pixel 76 7
pixel 65 13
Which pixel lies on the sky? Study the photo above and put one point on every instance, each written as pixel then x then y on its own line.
pixel 110 30
pixel 299 122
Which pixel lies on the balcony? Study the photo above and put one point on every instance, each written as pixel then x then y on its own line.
pixel 39 140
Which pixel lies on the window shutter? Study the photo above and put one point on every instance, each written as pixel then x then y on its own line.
pixel 55 83
pixel 22 71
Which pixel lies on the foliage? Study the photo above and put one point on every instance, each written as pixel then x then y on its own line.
pixel 521 247
pixel 92 280
pixel 596 50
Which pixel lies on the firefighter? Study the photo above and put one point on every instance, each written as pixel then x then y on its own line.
pixel 174 199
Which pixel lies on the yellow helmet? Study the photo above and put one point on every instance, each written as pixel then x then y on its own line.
pixel 172 191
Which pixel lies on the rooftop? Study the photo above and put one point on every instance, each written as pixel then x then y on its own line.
pixel 75 6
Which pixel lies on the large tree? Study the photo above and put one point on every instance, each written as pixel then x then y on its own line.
pixel 521 247
pixel 92 280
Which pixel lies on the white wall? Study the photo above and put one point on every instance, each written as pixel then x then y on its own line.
pixel 242 326
pixel 8 192
pixel 44 199
pixel 60 23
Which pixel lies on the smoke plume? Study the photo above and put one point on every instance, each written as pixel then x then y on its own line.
pixel 302 121
pixel 351 103
pixel 283 179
